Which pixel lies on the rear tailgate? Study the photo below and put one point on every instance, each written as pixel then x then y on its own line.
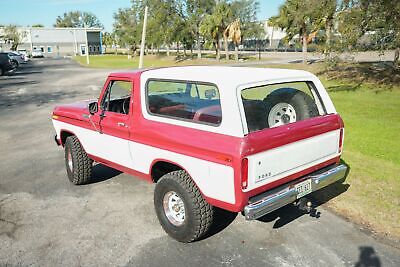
pixel 276 153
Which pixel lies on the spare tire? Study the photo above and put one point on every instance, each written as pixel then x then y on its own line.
pixel 288 105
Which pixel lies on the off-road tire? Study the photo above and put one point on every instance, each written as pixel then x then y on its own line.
pixel 198 213
pixel 302 103
pixel 81 164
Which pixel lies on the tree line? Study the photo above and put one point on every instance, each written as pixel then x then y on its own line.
pixel 339 25
pixel 186 24
pixel 344 22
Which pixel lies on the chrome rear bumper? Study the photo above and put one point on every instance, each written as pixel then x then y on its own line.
pixel 276 198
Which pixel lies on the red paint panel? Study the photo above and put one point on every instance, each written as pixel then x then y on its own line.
pixel 279 136
pixel 74 110
pixel 204 145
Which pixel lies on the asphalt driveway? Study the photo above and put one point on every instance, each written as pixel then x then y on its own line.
pixel 46 221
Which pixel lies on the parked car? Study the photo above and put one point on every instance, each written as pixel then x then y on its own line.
pixel 24 53
pixel 247 140
pixel 16 59
pixel 37 53
pixel 6 63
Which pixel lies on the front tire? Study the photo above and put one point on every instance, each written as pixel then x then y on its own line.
pixel 181 209
pixel 77 162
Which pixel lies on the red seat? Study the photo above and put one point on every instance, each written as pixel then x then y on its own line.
pixel 211 114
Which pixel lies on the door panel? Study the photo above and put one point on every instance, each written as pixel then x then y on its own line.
pixel 114 134
pixel 112 128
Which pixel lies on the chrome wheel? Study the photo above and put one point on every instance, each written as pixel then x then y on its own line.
pixel 174 208
pixel 69 160
pixel 280 114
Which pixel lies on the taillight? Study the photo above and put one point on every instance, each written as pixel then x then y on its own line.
pixel 341 140
pixel 245 173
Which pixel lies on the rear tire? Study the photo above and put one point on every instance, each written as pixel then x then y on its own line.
pixel 288 105
pixel 181 209
pixel 77 162
pixel 1 72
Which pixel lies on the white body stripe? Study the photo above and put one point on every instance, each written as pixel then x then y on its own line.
pixel 214 180
pixel 274 164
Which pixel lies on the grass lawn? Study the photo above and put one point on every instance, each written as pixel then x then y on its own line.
pixel 372 146
pixel 153 61
pixel 150 61
pixel 371 113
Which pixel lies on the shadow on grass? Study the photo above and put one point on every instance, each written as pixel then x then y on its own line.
pixel 384 74
pixel 344 87
pixel 212 57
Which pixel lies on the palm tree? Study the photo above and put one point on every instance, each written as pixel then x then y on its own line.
pixel 297 17
pixel 214 24
pixel 232 32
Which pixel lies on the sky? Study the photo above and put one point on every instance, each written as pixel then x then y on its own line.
pixel 29 12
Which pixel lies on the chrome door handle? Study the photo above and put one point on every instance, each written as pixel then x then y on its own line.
pixel 121 124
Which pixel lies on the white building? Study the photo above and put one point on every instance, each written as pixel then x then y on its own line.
pixel 57 41
pixel 274 35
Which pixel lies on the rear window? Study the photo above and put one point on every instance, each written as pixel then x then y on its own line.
pixel 184 100
pixel 274 105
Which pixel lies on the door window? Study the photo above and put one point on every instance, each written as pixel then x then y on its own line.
pixel 117 97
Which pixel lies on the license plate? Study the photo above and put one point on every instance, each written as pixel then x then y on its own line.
pixel 303 188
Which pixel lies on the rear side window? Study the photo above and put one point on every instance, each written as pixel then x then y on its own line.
pixel 184 100
pixel 274 105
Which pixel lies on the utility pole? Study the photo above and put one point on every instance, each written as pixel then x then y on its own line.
pixel 86 44
pixel 75 43
pixel 30 37
pixel 86 40
pixel 143 38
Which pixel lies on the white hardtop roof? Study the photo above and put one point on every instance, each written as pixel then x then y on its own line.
pixel 221 75
pixel 229 81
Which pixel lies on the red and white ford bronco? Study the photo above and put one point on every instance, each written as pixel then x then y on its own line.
pixel 247 140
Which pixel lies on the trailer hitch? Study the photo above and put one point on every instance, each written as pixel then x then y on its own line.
pixel 304 204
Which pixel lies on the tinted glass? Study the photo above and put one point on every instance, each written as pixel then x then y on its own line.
pixel 191 101
pixel 279 104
